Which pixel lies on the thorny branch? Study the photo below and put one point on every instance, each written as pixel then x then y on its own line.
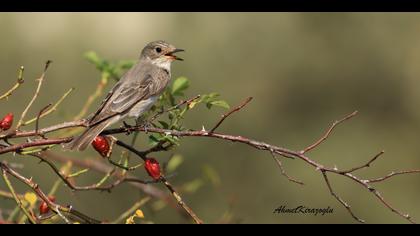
pixel 272 149
pixel 58 209
pixel 169 186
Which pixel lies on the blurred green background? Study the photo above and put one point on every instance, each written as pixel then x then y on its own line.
pixel 304 70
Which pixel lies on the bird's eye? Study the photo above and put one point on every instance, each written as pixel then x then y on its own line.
pixel 158 50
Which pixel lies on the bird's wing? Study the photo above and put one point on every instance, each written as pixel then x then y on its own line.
pixel 131 91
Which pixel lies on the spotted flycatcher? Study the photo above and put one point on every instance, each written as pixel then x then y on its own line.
pixel 135 92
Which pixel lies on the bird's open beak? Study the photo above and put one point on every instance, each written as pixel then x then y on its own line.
pixel 172 56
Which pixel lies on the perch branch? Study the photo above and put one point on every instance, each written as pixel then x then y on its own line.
pixel 233 138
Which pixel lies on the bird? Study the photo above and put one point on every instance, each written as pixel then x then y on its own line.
pixel 134 94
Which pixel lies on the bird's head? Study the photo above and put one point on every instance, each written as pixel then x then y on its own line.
pixel 160 53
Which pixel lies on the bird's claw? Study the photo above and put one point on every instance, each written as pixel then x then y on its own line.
pixel 128 128
pixel 146 125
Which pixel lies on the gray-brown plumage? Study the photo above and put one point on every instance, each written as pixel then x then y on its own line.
pixel 134 94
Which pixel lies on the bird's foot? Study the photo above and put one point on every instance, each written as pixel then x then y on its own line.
pixel 128 128
pixel 146 125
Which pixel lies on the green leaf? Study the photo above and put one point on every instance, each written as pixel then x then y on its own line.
pixel 193 186
pixel 171 139
pixel 159 205
pixel 174 163
pixel 179 85
pixel 192 104
pixel 220 103
pixel 163 124
pixel 211 174
pixel 92 57
pixel 153 140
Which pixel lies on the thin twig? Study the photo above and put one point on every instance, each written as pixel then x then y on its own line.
pixel 394 173
pixel 102 167
pixel 53 206
pixel 181 202
pixel 40 80
pixel 131 149
pixel 132 209
pixel 347 206
pixel 97 186
pixel 379 196
pixel 20 81
pixel 37 120
pixel 327 134
pixel 365 165
pixel 283 172
pixel 52 109
pixel 226 115
pixel 165 182
pixel 188 101
pixel 18 201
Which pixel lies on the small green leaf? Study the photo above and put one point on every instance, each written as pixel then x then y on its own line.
pixel 193 186
pixel 163 124
pixel 153 140
pixel 192 104
pixel 220 103
pixel 171 139
pixel 174 163
pixel 179 85
pixel 92 57
pixel 211 174
pixel 159 205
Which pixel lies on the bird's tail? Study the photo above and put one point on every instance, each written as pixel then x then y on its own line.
pixel 81 142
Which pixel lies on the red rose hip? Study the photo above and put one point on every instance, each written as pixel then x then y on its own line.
pixel 153 168
pixel 101 145
pixel 43 208
pixel 6 122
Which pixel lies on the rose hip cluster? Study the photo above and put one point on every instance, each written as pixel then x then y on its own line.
pixel 102 146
